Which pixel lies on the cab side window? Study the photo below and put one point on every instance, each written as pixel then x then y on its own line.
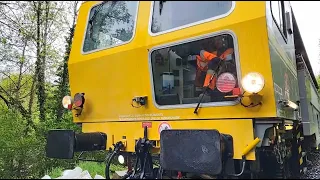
pixel 278 14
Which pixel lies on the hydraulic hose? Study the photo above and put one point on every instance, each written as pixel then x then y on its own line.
pixel 117 147
pixel 252 145
pixel 242 168
pixel 107 170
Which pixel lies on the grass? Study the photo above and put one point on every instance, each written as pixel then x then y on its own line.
pixel 56 172
pixel 92 167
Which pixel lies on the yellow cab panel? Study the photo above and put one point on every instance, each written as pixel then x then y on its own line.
pixel 142 57
pixel 111 77
pixel 191 83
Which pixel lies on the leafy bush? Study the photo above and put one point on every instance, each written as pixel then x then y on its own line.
pixel 93 168
pixel 23 156
pixel 18 153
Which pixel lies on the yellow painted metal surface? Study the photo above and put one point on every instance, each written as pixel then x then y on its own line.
pixel 251 146
pixel 240 129
pixel 110 78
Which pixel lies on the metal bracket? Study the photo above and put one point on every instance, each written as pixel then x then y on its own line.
pixel 144 159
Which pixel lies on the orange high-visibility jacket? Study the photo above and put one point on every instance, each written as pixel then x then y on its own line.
pixel 205 57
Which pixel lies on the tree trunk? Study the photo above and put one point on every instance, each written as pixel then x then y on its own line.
pixel 39 67
pixel 64 81
pixel 41 80
pixel 21 63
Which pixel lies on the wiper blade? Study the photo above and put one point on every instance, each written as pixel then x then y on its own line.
pixel 206 89
pixel 96 12
pixel 161 6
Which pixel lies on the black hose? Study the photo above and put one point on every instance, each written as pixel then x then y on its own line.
pixel 108 164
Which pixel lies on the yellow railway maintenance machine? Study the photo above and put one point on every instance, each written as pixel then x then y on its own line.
pixel 210 89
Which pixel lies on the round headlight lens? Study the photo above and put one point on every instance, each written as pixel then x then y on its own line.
pixel 121 159
pixel 253 82
pixel 67 102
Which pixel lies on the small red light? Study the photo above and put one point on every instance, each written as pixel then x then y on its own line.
pixel 226 82
pixel 78 99
pixel 78 103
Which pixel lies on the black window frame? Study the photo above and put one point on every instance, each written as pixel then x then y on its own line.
pixel 283 31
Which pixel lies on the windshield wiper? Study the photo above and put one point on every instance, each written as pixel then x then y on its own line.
pixel 97 11
pixel 206 89
pixel 161 6
pixel 94 16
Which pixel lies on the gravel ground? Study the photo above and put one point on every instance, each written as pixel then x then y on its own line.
pixel 313 171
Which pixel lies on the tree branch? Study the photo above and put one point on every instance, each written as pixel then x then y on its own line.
pixel 5 100
pixel 10 78
pixel 8 25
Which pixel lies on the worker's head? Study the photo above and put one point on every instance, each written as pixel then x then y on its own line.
pixel 219 41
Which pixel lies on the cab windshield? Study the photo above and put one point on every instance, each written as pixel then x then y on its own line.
pixel 110 24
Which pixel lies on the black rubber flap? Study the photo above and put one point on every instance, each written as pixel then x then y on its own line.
pixel 60 144
pixel 194 151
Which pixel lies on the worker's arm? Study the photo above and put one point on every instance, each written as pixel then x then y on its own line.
pixel 213 63
pixel 206 56
pixel 226 53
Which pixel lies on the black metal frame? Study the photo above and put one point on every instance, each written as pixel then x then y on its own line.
pixel 144 159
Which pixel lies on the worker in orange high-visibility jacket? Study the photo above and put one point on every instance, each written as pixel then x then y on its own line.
pixel 208 62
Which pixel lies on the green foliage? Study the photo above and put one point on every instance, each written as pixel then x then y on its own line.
pixel 93 168
pixel 318 81
pixel 24 156
pixel 55 172
pixel 18 153
pixel 10 85
pixel 34 102
pixel 4 40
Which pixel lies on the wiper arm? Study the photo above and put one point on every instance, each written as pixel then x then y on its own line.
pixel 206 89
pixel 94 16
pixel 96 12
pixel 161 6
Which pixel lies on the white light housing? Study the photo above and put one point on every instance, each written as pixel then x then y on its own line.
pixel 288 103
pixel 253 82
pixel 292 105
pixel 67 102
pixel 121 159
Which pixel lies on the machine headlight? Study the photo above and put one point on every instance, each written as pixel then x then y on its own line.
pixel 121 159
pixel 253 82
pixel 67 102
